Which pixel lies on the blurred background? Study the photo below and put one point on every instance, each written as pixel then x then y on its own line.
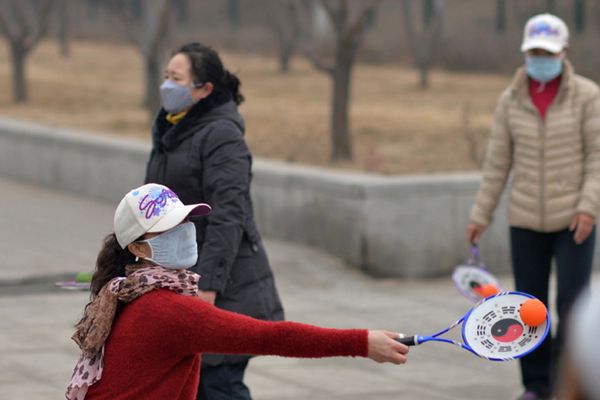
pixel 392 86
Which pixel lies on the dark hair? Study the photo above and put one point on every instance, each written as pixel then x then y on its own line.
pixel 208 67
pixel 110 263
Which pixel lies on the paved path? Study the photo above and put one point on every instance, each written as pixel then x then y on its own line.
pixel 47 234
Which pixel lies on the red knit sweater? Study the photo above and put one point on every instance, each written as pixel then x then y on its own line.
pixel 153 351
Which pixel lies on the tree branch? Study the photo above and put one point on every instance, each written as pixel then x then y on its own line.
pixel 19 15
pixel 335 16
pixel 318 64
pixel 343 13
pixel 330 10
pixel 161 30
pixel 5 28
pixel 43 20
pixel 358 27
pixel 292 13
pixel 409 26
pixel 124 14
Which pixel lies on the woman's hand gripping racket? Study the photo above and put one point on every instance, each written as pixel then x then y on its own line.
pixel 501 327
pixel 473 280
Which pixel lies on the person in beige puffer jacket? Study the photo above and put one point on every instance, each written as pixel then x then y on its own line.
pixel 547 133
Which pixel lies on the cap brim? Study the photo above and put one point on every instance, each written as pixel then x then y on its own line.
pixel 542 44
pixel 176 216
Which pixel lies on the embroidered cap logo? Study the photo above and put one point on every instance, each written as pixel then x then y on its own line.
pixel 544 29
pixel 154 204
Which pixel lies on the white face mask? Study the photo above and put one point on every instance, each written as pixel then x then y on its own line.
pixel 175 248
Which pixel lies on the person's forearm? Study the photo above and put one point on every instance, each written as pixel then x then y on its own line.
pixel 293 339
pixel 212 330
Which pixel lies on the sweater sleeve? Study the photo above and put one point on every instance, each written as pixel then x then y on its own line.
pixel 496 167
pixel 203 328
pixel 589 201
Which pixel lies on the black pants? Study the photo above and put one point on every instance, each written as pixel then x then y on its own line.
pixel 223 382
pixel 532 254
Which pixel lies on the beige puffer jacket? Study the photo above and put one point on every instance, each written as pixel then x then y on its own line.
pixel 555 163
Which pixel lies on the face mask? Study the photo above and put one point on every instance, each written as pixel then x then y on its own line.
pixel 543 69
pixel 176 98
pixel 175 248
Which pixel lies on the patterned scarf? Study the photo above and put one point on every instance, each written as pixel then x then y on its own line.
pixel 94 328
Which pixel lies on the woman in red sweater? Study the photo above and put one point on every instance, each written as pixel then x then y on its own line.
pixel 145 327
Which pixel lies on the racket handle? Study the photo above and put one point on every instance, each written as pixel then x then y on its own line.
pixel 408 340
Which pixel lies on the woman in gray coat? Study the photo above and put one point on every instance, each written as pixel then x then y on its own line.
pixel 199 152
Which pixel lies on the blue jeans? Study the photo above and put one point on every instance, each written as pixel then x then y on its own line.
pixel 223 382
pixel 532 254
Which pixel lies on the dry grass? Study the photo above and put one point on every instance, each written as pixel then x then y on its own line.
pixel 396 127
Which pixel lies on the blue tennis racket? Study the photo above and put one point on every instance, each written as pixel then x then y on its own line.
pixel 493 329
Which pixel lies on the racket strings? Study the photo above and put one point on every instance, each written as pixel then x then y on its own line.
pixel 497 313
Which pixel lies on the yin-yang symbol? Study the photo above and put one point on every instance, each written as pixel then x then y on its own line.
pixel 507 330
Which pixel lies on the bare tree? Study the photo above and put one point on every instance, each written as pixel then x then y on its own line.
pixel 233 14
pixel 92 7
pixel 424 43
pixel 148 32
pixel 64 26
pixel 349 22
pixel 594 14
pixel 27 27
pixel 182 8
pixel 156 24
pixel 525 9
pixel 579 12
pixel 500 16
pixel 284 22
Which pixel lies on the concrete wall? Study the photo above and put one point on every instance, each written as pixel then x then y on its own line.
pixel 87 164
pixel 387 226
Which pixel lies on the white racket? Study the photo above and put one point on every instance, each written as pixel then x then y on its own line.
pixel 473 275
pixel 493 329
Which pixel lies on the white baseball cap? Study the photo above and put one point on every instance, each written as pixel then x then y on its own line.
pixel 545 31
pixel 151 208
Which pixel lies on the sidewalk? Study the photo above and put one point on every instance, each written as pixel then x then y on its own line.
pixel 47 234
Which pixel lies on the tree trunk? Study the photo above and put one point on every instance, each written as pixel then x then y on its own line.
pixel 156 17
pixel 92 9
pixel 152 96
pixel 19 55
pixel 579 13
pixel 341 143
pixel 428 13
pixel 136 8
pixel 372 20
pixel 233 14
pixel 424 75
pixel 63 29
pixel 500 16
pixel 181 12
pixel 285 55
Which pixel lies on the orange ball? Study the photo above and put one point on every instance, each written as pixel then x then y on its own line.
pixel 533 312
pixel 487 290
